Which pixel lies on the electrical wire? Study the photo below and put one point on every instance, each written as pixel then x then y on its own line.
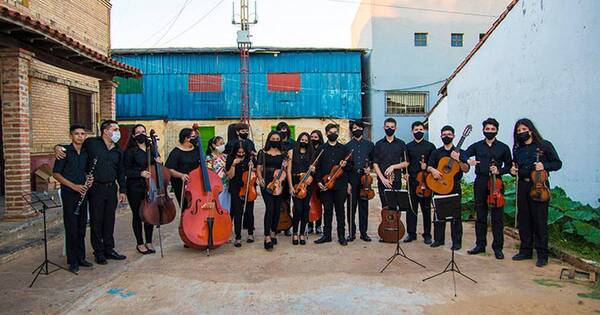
pixel 415 8
pixel 196 22
pixel 160 29
pixel 185 4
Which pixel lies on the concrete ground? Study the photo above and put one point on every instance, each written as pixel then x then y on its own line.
pixel 326 278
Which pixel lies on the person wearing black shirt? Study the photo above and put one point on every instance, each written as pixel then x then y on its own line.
pixel 532 215
pixel 70 172
pixel 287 144
pixel 316 140
pixel 109 176
pixel 417 150
pixel 447 150
pixel 242 131
pixel 334 154
pixel 183 159
pixel 238 162
pixel 388 158
pixel 362 157
pixel 136 171
pixel 301 157
pixel 270 158
pixel 487 152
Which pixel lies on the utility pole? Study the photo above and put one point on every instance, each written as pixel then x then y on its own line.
pixel 244 45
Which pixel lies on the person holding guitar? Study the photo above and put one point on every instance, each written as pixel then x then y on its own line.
pixel 362 157
pixel 532 156
pixel 334 154
pixel 238 162
pixel 301 156
pixel 492 157
pixel 270 159
pixel 448 150
pixel 418 152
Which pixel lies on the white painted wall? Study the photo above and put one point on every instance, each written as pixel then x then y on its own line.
pixel 395 63
pixel 542 62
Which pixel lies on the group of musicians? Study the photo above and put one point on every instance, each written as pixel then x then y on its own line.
pixel 118 174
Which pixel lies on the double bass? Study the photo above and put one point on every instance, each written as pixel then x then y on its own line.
pixel 158 207
pixel 495 197
pixel 422 190
pixel 204 223
pixel 366 181
pixel 335 173
pixel 539 187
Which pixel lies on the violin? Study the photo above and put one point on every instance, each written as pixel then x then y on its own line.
pixel 248 191
pixel 495 197
pixel 539 188
pixel 204 223
pixel 301 189
pixel 335 173
pixel 422 190
pixel 366 180
pixel 275 187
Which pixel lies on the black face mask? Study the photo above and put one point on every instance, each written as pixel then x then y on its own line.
pixel 275 144
pixel 303 144
pixel 332 137
pixel 489 135
pixel 389 131
pixel 315 142
pixel 447 140
pixel 283 133
pixel 141 138
pixel 523 136
pixel 419 135
pixel 243 136
pixel 357 133
pixel 240 156
pixel 194 141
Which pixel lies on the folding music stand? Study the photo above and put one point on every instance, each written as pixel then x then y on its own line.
pixel 42 202
pixel 399 200
pixel 447 208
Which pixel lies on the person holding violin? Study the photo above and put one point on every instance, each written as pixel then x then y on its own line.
pixel 492 157
pixel 316 141
pixel 287 144
pixel 215 160
pixel 532 156
pixel 181 161
pixel 301 157
pixel 242 131
pixel 270 159
pixel 136 171
pixel 334 154
pixel 362 157
pixel 388 159
pixel 238 162
pixel 418 152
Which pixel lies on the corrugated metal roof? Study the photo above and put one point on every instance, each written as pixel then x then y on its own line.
pixel 211 50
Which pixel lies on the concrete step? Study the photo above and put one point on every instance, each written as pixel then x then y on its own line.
pixel 22 245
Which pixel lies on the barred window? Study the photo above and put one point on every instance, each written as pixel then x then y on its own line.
pixel 420 39
pixel 456 40
pixel 404 102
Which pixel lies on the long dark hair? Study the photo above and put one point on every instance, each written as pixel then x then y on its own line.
pixel 237 144
pixel 309 149
pixel 212 141
pixel 535 134
pixel 320 134
pixel 267 146
pixel 131 143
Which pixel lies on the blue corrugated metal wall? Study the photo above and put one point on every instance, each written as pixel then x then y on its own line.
pixel 330 86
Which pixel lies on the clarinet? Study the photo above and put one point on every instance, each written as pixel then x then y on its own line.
pixel 87 185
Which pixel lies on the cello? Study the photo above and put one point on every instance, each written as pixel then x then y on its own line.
pixel 422 190
pixel 495 197
pixel 539 187
pixel 366 180
pixel 204 223
pixel 335 173
pixel 158 207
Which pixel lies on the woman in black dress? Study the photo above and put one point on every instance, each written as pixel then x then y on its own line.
pixel 237 163
pixel 182 160
pixel 301 157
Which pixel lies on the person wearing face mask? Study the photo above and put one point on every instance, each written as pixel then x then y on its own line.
pixel 362 157
pixel 334 154
pixel 135 161
pixel 215 160
pixel 287 144
pixel 532 215
pixel 316 140
pixel 242 132
pixel 485 151
pixel 448 149
pixel 181 161
pixel 418 150
pixel 238 162
pixel 388 159
pixel 109 176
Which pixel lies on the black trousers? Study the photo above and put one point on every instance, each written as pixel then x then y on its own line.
pixel 362 204
pixel 533 222
pixel 412 216
pixel 456 232
pixel 300 218
pixel 480 191
pixel 135 195
pixel 236 212
pixel 381 188
pixel 103 204
pixel 248 220
pixel 331 199
pixel 75 226
pixel 272 208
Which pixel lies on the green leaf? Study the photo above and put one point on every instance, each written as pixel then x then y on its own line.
pixel 588 231
pixel 569 227
pixel 554 215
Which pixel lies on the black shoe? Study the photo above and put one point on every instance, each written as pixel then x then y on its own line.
pixel 287 233
pixel 365 238
pixel 100 260
pixel 85 263
pixel 436 244
pixel 294 241
pixel 274 240
pixel 302 241
pixel 498 254
pixel 150 250
pixel 476 250
pixel 310 230
pixel 521 256
pixel 351 238
pixel 323 239
pixel 319 230
pixel 343 242
pixel 145 252
pixel 427 240
pixel 409 238
pixel 114 255
pixel 250 239
pixel 268 245
pixel 237 243
pixel 74 268
pixel 455 247
pixel 541 262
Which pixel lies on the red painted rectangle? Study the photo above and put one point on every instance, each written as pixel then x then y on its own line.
pixel 283 82
pixel 204 83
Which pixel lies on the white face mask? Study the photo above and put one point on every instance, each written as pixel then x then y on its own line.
pixel 116 135
pixel 220 148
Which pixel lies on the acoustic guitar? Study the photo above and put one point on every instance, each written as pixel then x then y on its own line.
pixel 448 167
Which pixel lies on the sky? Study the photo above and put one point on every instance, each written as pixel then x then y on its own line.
pixel 207 23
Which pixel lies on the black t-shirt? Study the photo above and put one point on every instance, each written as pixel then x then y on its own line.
pixel 525 155
pixel 415 150
pixel 135 161
pixel 183 162
pixel 332 156
pixel 270 163
pixel 300 164
pixel 435 158
pixel 236 183
pixel 73 167
pixel 387 153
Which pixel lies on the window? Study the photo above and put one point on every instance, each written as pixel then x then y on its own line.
pixel 204 83
pixel 283 82
pixel 129 86
pixel 401 102
pixel 420 39
pixel 81 108
pixel 206 132
pixel 481 35
pixel 456 40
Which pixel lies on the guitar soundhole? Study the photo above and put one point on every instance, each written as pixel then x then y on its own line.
pixel 390 217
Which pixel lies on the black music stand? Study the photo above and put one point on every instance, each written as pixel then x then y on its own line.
pixel 448 209
pixel 42 202
pixel 399 200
